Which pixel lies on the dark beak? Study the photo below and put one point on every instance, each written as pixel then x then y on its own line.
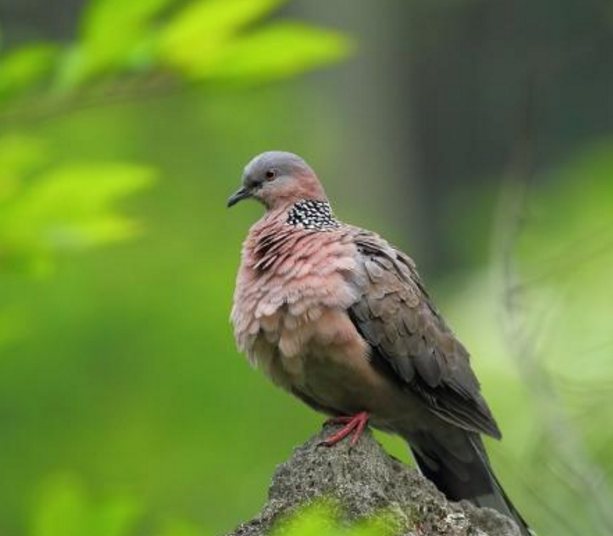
pixel 243 193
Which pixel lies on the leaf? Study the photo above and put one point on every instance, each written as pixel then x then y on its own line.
pixel 71 208
pixel 19 156
pixel 61 508
pixel 64 509
pixel 112 36
pixel 323 519
pixel 278 51
pixel 202 28
pixel 25 67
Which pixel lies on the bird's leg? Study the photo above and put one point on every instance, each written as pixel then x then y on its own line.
pixel 354 424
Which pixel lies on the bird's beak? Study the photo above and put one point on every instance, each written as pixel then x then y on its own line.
pixel 243 193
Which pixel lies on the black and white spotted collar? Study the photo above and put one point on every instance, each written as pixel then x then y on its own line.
pixel 313 215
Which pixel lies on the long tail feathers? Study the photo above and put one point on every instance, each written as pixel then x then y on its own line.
pixel 466 477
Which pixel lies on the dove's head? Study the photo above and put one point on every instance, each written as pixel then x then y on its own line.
pixel 278 179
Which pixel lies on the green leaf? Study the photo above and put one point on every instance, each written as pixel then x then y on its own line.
pixel 112 36
pixel 71 208
pixel 64 509
pixel 277 51
pixel 61 509
pixel 324 519
pixel 25 67
pixel 196 35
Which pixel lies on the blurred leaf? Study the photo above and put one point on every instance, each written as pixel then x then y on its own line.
pixel 26 66
pixel 72 70
pixel 112 36
pixel 63 509
pixel 71 208
pixel 203 40
pixel 322 519
pixel 195 36
pixel 19 156
pixel 277 51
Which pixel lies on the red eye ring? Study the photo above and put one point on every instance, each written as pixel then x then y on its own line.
pixel 270 174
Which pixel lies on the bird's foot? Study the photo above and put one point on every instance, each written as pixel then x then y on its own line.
pixel 354 424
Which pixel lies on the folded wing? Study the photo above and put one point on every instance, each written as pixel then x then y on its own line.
pixel 411 340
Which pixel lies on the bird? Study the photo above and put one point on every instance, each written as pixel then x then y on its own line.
pixel 341 319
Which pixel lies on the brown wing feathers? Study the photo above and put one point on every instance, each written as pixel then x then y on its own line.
pixel 404 330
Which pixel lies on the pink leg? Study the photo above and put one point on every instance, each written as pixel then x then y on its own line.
pixel 355 425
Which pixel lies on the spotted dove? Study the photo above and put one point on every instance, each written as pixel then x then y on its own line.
pixel 340 318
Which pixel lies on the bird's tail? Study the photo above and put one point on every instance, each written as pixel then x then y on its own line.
pixel 463 472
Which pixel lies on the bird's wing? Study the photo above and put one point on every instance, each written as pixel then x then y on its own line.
pixel 410 339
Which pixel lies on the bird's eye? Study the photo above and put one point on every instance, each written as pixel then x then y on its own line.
pixel 270 174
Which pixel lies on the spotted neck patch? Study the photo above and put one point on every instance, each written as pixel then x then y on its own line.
pixel 313 215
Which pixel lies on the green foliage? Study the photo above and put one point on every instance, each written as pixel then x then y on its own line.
pixel 127 22
pixel 297 48
pixel 69 207
pixel 23 69
pixel 323 519
pixel 207 41
pixel 201 40
pixel 203 27
pixel 566 252
pixel 64 508
pixel 555 320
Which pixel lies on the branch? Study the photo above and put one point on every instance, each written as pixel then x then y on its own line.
pixel 41 107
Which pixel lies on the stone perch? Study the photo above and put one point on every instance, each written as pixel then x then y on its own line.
pixel 365 480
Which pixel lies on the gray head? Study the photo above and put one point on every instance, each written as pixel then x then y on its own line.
pixel 278 179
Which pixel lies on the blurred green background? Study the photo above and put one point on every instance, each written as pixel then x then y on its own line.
pixel 476 135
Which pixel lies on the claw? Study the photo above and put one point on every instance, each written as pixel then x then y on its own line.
pixel 355 424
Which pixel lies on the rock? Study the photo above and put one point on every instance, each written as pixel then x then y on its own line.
pixel 364 480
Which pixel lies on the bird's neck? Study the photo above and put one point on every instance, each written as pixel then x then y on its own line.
pixel 303 215
pixel 275 236
pixel 311 214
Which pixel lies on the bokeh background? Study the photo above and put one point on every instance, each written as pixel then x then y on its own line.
pixel 475 134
